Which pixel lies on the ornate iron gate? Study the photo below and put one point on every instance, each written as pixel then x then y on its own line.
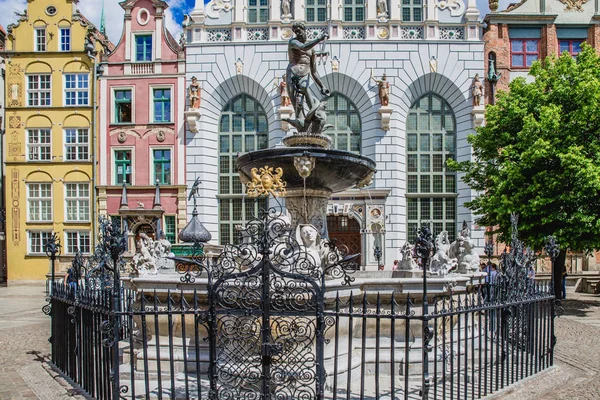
pixel 265 317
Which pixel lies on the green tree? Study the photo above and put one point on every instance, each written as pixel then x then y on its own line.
pixel 539 155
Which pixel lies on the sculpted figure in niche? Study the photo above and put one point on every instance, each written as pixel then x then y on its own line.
pixel 302 66
pixel 384 89
pixel 194 93
pixel 286 8
pixel 477 91
pixel 382 8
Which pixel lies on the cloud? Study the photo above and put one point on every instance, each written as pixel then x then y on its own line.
pixel 9 7
pixel 113 15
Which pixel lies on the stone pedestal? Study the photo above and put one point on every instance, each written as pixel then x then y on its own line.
pixel 386 116
pixel 478 114
pixel 192 116
pixel 285 112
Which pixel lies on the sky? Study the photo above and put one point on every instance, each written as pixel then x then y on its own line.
pixel 114 13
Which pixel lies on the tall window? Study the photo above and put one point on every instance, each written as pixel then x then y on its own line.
pixel 123 106
pixel 143 48
pixel 170 228
pixel 78 240
pixel 523 52
pixel 39 200
pixel 39 145
pixel 77 144
pixel 162 166
pixel 258 11
pixel 65 39
pixel 316 10
pixel 343 115
pixel 571 46
pixel 78 202
pixel 76 89
pixel 431 186
pixel 37 242
pixel 412 11
pixel 243 128
pixel 354 10
pixel 38 90
pixel 40 39
pixel 122 166
pixel 162 105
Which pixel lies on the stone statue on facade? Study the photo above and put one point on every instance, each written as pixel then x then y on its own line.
pixel 477 91
pixel 383 89
pixel 302 66
pixel 441 263
pixel 285 97
pixel 433 65
pixel 286 9
pixel 382 8
pixel 194 92
pixel 463 249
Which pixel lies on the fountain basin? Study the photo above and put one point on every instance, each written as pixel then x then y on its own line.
pixel 335 170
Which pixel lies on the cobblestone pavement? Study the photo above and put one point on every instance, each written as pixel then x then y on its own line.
pixel 26 373
pixel 24 348
pixel 576 375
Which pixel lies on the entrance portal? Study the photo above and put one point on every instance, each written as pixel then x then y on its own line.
pixel 347 232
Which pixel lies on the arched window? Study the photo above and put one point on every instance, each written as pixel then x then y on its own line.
pixel 343 115
pixel 243 128
pixel 431 186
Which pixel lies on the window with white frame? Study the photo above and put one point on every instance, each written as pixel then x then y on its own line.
pixel 78 202
pixel 316 10
pixel 65 39
pixel 40 39
pixel 123 167
pixel 431 185
pixel 77 144
pixel 39 145
pixel 123 106
pixel 162 104
pixel 258 11
pixel 77 89
pixel 354 10
pixel 78 240
pixel 39 90
pixel 412 11
pixel 39 201
pixel 37 241
pixel 143 48
pixel 162 166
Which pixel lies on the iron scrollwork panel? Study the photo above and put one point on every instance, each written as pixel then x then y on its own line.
pixel 266 339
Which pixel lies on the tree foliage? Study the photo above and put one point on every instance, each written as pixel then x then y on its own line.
pixel 539 155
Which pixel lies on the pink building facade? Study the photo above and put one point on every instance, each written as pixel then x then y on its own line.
pixel 141 162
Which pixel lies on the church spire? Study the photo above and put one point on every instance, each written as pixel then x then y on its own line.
pixel 102 21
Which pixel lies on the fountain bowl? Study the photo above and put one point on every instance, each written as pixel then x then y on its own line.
pixel 334 171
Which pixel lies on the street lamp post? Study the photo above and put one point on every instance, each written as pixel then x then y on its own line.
pixel 423 248
pixel 53 248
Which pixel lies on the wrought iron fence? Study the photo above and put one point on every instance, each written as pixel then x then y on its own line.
pixel 264 321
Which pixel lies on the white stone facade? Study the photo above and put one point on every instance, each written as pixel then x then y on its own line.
pixel 218 37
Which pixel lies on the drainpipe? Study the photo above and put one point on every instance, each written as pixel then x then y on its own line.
pixel 93 55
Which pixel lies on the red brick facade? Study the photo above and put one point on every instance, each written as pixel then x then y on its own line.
pixel 497 40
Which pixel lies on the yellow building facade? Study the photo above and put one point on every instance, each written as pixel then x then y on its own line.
pixel 51 59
